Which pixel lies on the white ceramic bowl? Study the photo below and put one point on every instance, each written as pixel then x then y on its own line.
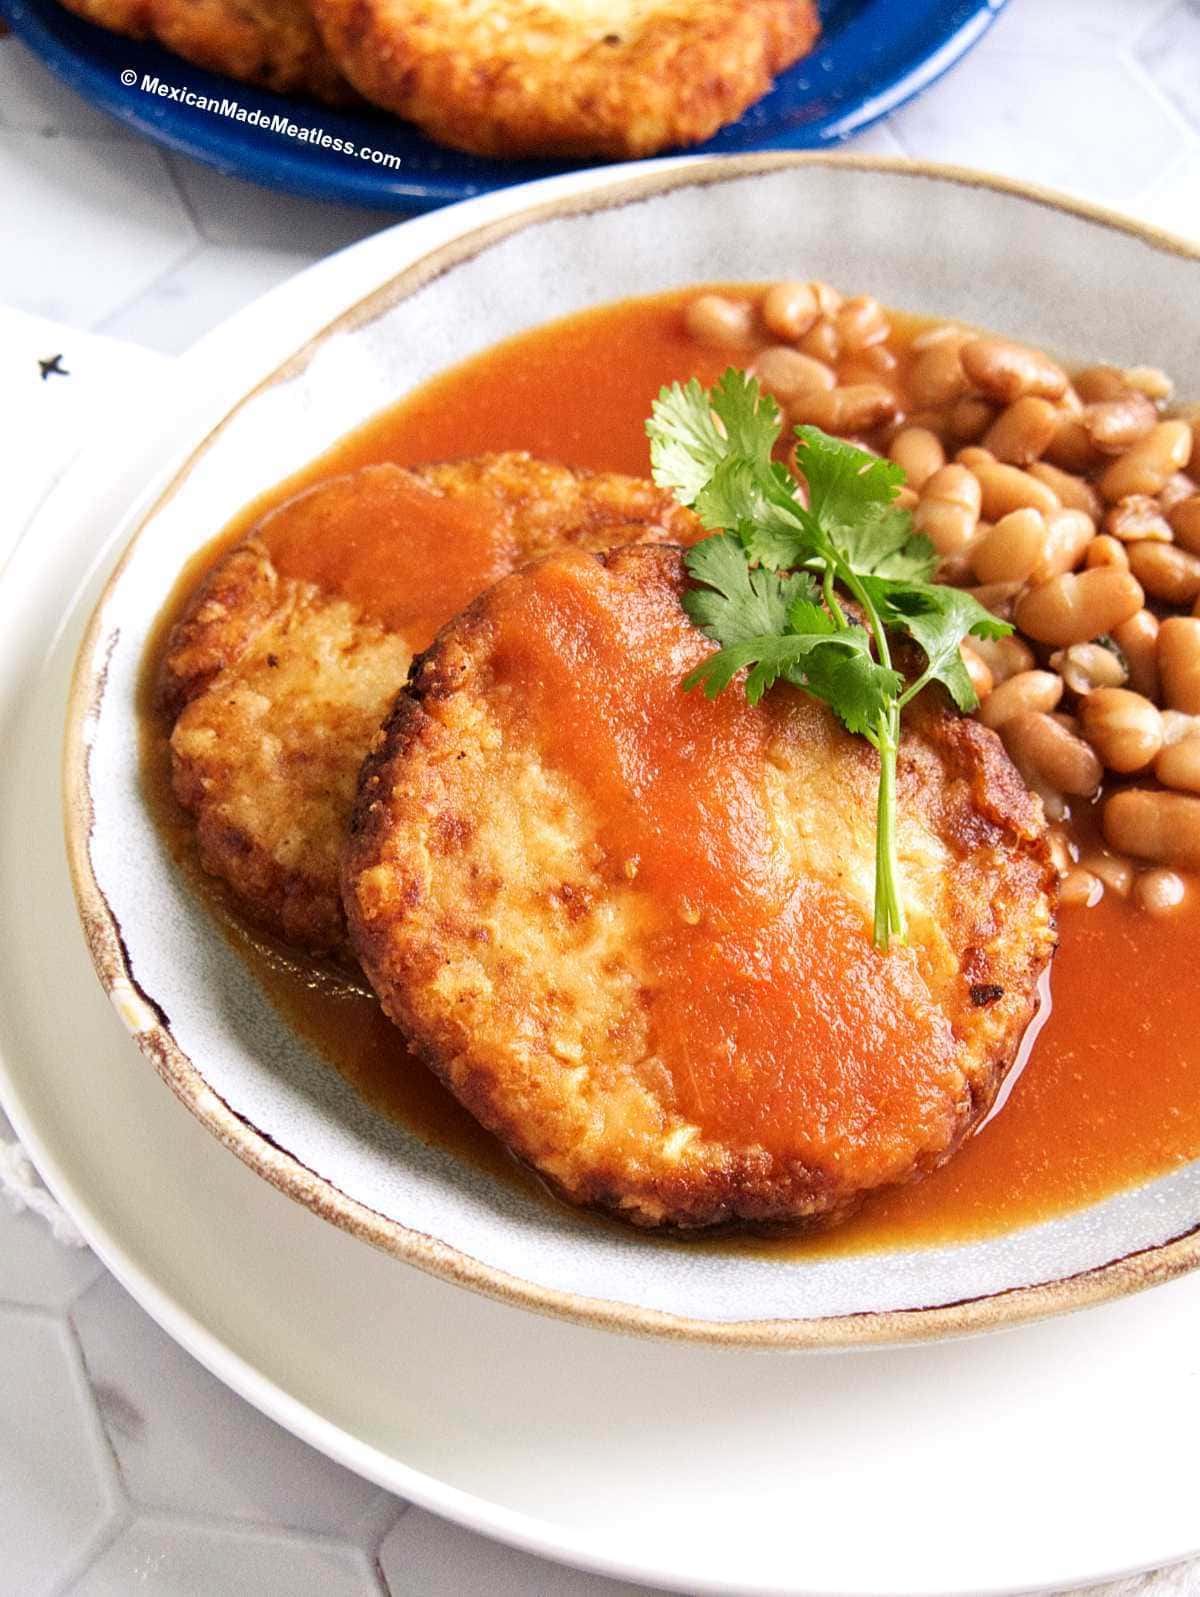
pixel 932 240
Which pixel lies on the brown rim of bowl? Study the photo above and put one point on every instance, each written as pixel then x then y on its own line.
pixel 142 1017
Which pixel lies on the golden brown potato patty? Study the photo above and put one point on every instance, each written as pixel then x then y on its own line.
pixel 271 43
pixel 566 77
pixel 631 928
pixel 291 651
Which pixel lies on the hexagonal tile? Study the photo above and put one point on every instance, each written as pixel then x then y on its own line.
pixel 110 202
pixel 185 1441
pixel 426 1557
pixel 58 1488
pixel 1170 53
pixel 1091 125
pixel 36 1268
pixel 166 1559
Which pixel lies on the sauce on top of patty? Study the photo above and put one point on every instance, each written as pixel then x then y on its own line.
pixel 408 557
pixel 1107 1094
pixel 750 971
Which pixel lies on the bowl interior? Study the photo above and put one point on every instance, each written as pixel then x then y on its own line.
pixel 931 242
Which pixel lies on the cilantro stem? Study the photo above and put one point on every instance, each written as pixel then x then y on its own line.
pixel 831 599
pixel 889 907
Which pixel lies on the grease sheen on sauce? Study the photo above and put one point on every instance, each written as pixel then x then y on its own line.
pixel 1110 1092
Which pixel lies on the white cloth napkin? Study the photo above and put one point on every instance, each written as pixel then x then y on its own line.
pixel 53 382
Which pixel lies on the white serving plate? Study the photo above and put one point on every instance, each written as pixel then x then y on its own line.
pixel 928 240
pixel 1044 1457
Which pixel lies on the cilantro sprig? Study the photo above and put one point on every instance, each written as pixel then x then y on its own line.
pixel 771 580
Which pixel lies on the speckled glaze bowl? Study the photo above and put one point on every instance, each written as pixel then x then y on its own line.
pixel 933 240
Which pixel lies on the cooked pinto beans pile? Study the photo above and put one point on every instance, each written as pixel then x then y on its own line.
pixel 1069 506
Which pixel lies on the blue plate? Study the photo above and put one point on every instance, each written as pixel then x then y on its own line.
pixel 873 55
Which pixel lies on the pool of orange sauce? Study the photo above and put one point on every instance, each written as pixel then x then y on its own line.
pixel 1109 1092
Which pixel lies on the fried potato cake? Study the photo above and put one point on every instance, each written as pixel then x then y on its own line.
pixel 287 658
pixel 128 17
pixel 271 43
pixel 566 77
pixel 630 927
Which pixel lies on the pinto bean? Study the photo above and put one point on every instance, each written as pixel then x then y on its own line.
pixel 1124 728
pixel 970 417
pixel 1185 522
pixel 718 322
pixel 1114 425
pixel 1006 371
pixel 1020 433
pixel 789 309
pixel 949 509
pixel 1150 463
pixel 1004 657
pixel 1069 535
pixel 1179 766
pixel 1076 493
pixel 1019 694
pixel 936 377
pixel 1166 571
pixel 1158 892
pixel 1078 606
pixel 1137 519
pixel 919 452
pixel 1106 551
pixel 1179 663
pixel 1137 640
pixel 862 322
pixel 1084 667
pixel 1007 487
pixel 1072 448
pixel 1039 745
pixel 787 374
pixel 1011 550
pixel 1163 827
pixel 854 409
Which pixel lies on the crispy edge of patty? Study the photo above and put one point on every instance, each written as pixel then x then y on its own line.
pixel 518 77
pixel 241 613
pixel 406 939
pixel 274 44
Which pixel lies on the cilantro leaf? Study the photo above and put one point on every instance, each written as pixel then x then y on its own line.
pixel 738 602
pixel 938 618
pixel 851 494
pixel 852 682
pixel 692 431
pixel 766 581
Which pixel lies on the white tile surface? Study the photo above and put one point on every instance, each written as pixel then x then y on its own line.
pixel 425 1558
pixel 57 1488
pixel 184 1441
pixel 1169 52
pixel 101 231
pixel 37 1270
pixel 227 211
pixel 89 224
pixel 1090 125
pixel 200 290
pixel 33 99
pixel 178 1560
